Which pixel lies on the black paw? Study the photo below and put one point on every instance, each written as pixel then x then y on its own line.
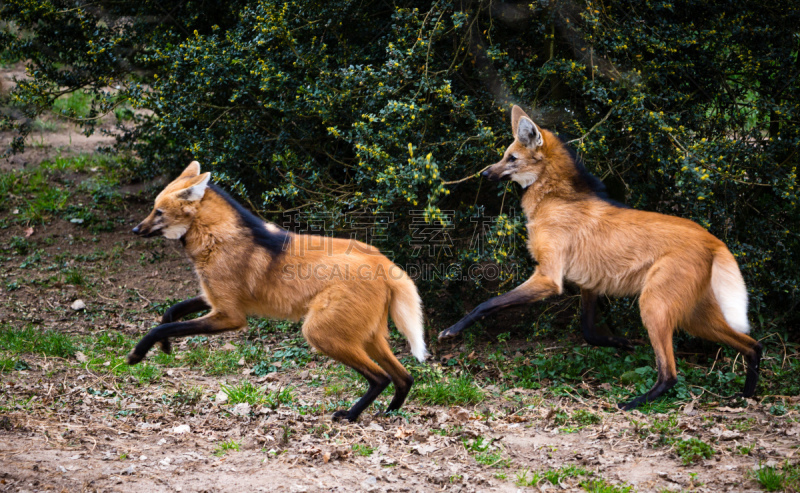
pixel 166 346
pixel 343 414
pixel 625 344
pixel 134 358
pixel 629 406
pixel 448 334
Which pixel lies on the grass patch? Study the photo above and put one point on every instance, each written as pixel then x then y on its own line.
pixel 212 362
pixel 485 452
pixel 555 476
pixel 36 200
pixel 633 374
pixel 584 417
pixel 40 195
pixel 18 245
pixel 460 390
pixel 787 478
pixel 493 459
pixel 522 479
pixel 770 478
pixel 693 449
pixel 580 418
pixel 291 353
pixel 143 373
pixel 600 486
pixel 363 450
pixel 75 277
pixel 184 397
pixel 223 448
pixel 40 125
pixel 7 364
pixel 552 476
pixel 245 391
pixel 75 104
pixel 31 340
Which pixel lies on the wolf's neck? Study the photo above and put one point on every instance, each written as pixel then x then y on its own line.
pixel 552 184
pixel 214 226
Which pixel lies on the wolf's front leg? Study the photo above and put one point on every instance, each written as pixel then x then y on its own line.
pixel 187 307
pixel 208 324
pixel 180 310
pixel 534 289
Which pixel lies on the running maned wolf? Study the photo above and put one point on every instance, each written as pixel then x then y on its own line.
pixel 683 275
pixel 342 289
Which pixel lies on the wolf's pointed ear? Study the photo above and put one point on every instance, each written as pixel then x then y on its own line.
pixel 196 190
pixel 528 133
pixel 192 170
pixel 516 114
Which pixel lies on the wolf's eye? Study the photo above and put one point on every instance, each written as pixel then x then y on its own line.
pixel 159 212
pixel 512 158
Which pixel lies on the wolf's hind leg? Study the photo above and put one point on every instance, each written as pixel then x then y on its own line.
pixel 333 336
pixel 708 322
pixel 591 332
pixel 670 290
pixel 378 349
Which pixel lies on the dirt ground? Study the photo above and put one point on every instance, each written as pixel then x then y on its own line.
pixel 66 426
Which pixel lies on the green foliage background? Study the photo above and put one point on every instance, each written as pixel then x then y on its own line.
pixel 686 107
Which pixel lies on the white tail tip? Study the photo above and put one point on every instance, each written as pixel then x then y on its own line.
pixel 730 291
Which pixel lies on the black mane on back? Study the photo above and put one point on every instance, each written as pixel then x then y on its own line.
pixel 587 182
pixel 272 241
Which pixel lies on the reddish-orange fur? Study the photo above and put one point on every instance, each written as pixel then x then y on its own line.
pixel 343 290
pixel 578 236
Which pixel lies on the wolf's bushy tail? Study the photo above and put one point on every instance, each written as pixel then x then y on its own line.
pixel 729 290
pixel 405 309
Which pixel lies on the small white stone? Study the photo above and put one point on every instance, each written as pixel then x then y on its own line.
pixel 182 429
pixel 241 409
pixel 78 305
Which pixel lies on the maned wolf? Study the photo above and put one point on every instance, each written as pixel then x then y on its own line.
pixel 343 289
pixel 684 276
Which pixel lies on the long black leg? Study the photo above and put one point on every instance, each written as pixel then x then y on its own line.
pixel 661 386
pixel 401 390
pixel 180 310
pixel 661 338
pixel 377 384
pixel 203 325
pixel 485 309
pixel 753 362
pixel 534 289
pixel 591 332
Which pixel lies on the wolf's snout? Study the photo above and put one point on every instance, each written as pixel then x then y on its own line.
pixel 138 229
